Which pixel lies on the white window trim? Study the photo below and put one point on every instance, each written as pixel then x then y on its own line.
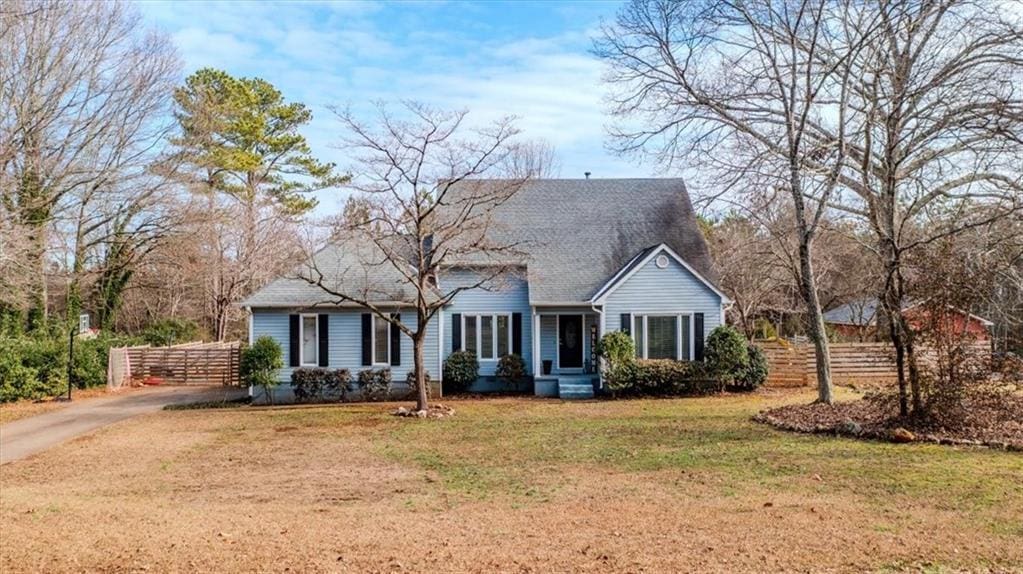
pixel 301 341
pixel 479 334
pixel 639 322
pixel 373 341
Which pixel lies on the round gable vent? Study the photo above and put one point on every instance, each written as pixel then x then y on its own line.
pixel 661 261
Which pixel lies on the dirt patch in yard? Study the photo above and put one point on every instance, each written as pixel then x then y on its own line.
pixel 1000 427
pixel 505 486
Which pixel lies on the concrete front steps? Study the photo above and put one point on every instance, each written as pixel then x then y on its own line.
pixel 570 388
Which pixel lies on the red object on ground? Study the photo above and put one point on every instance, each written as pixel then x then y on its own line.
pixel 152 381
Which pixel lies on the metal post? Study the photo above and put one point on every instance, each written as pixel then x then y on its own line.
pixel 70 361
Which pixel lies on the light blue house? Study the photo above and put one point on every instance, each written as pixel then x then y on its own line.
pixel 602 255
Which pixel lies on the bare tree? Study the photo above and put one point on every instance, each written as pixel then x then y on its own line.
pixel 535 159
pixel 82 91
pixel 429 209
pixel 734 87
pixel 934 137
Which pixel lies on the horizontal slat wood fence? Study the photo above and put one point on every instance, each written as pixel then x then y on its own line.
pixel 795 365
pixel 184 364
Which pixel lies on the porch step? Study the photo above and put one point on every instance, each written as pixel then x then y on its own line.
pixel 575 390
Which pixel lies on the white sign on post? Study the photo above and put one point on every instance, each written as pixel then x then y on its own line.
pixel 83 323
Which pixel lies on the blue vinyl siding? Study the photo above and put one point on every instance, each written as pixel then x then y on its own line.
pixel 672 290
pixel 507 295
pixel 345 341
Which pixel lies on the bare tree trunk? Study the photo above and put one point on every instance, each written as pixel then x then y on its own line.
pixel 815 320
pixel 422 391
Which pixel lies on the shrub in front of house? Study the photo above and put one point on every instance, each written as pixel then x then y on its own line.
pixel 317 384
pixel 260 364
pixel 375 384
pixel 511 368
pixel 460 370
pixel 755 373
pixel 410 381
pixel 726 355
pixel 665 377
pixel 618 352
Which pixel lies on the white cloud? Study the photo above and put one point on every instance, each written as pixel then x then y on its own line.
pixel 338 53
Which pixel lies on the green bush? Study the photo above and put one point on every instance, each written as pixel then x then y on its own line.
pixel 166 332
pixel 511 368
pixel 726 354
pixel 375 384
pixel 18 380
pixel 665 377
pixel 318 384
pixel 618 351
pixel 460 370
pixel 32 368
pixel 260 364
pixel 756 371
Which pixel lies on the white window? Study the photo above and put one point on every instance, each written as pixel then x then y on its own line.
pixel 488 336
pixel 661 336
pixel 310 341
pixel 381 341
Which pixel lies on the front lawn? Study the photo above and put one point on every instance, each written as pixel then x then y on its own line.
pixel 507 484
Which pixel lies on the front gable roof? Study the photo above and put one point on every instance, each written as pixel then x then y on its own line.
pixel 638 262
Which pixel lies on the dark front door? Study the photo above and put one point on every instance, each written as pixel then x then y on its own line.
pixel 570 341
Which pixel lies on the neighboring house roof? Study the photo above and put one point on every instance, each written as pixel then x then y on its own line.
pixel 859 313
pixel 862 312
pixel 576 234
pixel 579 233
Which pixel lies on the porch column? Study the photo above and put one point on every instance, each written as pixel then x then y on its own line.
pixel 536 344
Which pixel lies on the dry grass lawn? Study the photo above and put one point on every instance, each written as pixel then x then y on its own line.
pixel 507 485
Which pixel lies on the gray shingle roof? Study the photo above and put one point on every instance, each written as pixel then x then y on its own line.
pixel 351 261
pixel 577 233
pixel 580 232
pixel 860 312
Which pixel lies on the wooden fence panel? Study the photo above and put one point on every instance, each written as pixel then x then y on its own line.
pixel 187 364
pixel 851 363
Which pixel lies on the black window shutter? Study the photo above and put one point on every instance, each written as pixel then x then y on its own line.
pixel 293 342
pixel 367 339
pixel 456 332
pixel 626 323
pixel 517 333
pixel 324 332
pixel 395 341
pixel 698 336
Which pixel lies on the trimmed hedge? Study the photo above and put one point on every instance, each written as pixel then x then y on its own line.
pixel 664 377
pixel 318 384
pixel 375 384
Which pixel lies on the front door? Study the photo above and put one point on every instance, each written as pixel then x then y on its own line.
pixel 570 341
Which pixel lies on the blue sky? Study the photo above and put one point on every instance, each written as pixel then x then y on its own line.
pixel 529 59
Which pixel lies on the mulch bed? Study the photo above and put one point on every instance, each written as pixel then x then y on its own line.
pixel 869 419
